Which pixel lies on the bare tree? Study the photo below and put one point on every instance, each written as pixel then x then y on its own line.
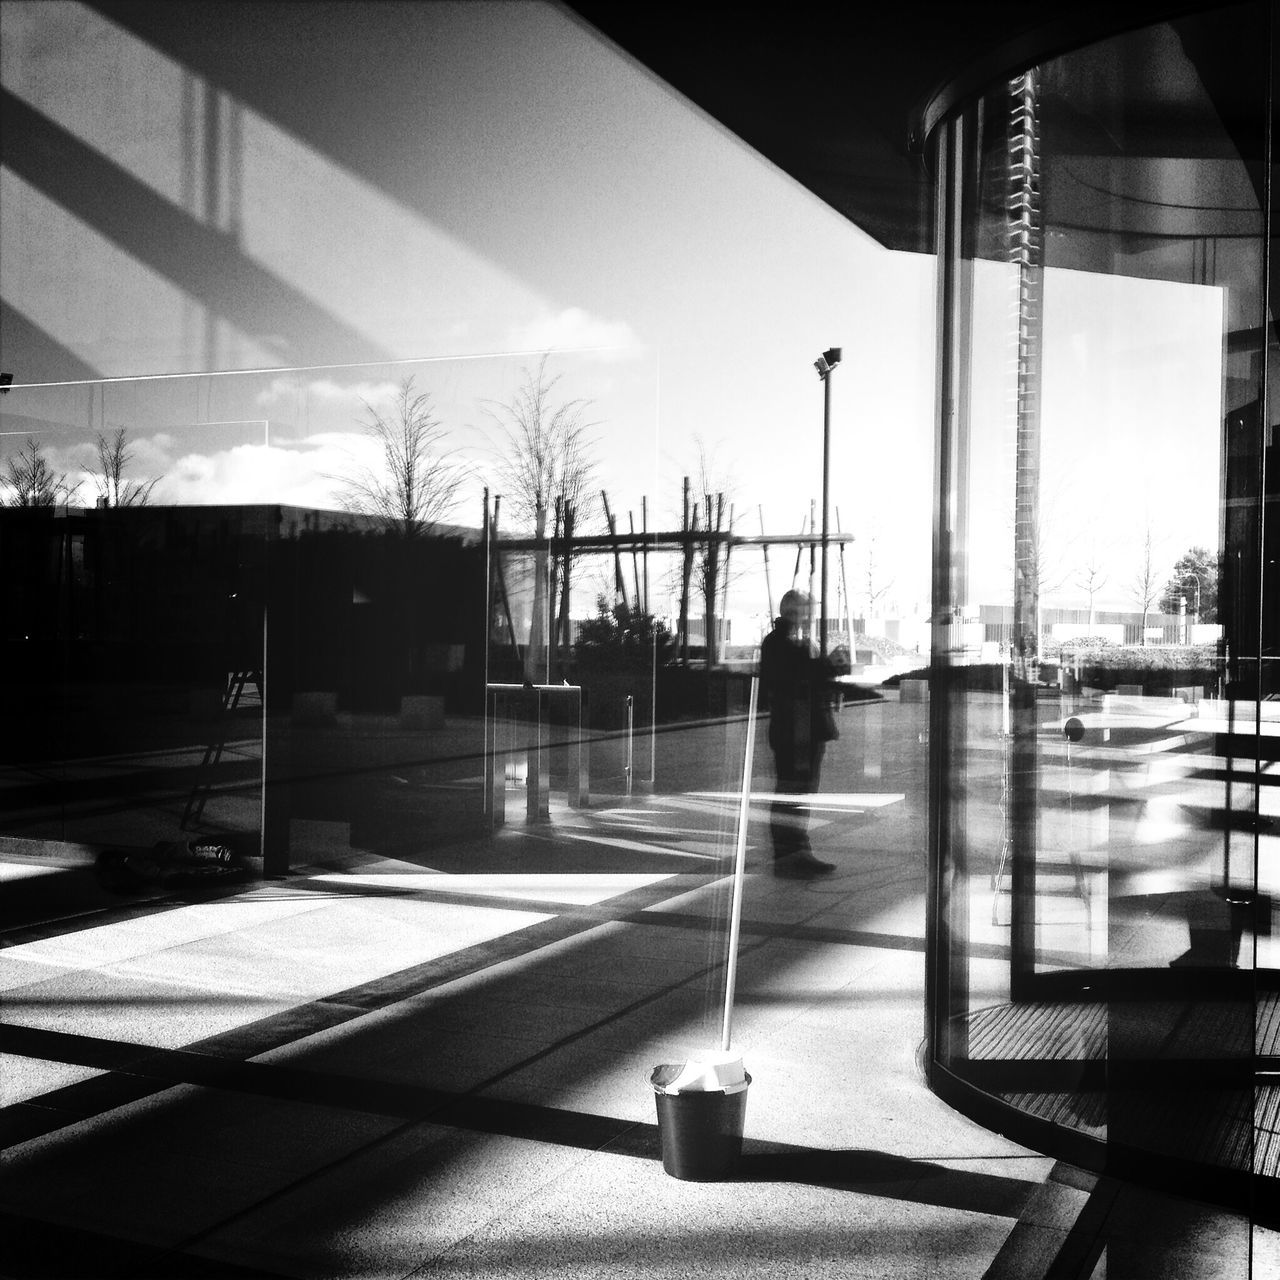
pixel 33 482
pixel 1146 580
pixel 418 481
pixel 1092 576
pixel 546 452
pixel 1048 558
pixel 714 569
pixel 114 490
pixel 546 471
pixel 877 587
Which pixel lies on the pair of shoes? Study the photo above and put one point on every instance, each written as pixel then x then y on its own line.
pixel 802 866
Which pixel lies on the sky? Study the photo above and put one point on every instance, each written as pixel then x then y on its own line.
pixel 544 194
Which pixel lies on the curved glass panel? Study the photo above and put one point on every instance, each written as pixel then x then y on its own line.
pixel 1106 695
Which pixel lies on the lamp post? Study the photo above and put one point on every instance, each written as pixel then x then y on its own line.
pixel 825 364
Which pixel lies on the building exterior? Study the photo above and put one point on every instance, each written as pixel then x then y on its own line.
pixel 227 257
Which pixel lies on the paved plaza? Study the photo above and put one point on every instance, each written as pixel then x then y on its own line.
pixel 395 1064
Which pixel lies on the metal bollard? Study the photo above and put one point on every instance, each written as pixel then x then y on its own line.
pixel 630 766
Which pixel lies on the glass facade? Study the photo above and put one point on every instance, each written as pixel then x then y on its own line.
pixel 227 631
pixel 224 628
pixel 1105 693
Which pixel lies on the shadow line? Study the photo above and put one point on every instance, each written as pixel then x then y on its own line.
pixel 36 1250
pixel 144 1072
pixel 880 1173
pixel 204 262
pixel 44 358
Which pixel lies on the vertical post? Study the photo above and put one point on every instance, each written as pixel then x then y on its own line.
pixel 724 576
pixel 635 563
pixel 275 796
pixel 813 556
pixel 948 919
pixel 826 498
pixel 548 601
pixel 564 627
pixel 277 790
pixel 768 586
pixel 619 581
pixel 577 756
pixel 584 750
pixel 644 529
pixel 532 663
pixel 689 531
pixel 537 783
pixel 553 585
pixel 739 867
pixel 844 582
pixel 488 627
pixel 653 651
pixel 631 724
pixel 711 569
pixel 1026 251
pixel 496 764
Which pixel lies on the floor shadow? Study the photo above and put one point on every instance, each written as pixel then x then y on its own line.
pixel 880 1173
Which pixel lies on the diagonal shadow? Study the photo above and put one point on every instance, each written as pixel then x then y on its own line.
pixel 331 110
pixel 139 1071
pixel 44 358
pixel 879 1173
pixel 38 1250
pixel 204 262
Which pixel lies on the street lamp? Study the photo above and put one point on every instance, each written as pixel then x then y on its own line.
pixel 825 364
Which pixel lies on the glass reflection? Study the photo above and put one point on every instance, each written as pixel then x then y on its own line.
pixel 249 637
pixel 1101 730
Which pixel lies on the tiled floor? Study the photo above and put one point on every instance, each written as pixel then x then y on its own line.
pixel 375 1069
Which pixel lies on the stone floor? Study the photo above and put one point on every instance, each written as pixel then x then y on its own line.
pixel 439 1065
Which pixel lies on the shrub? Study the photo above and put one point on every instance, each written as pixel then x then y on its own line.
pixel 621 636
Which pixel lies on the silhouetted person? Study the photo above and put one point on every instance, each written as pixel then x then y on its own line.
pixel 794 681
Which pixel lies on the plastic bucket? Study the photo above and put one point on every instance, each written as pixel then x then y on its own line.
pixel 701 1131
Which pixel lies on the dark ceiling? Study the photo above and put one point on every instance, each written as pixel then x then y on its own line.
pixel 829 92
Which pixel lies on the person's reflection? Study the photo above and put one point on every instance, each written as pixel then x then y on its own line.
pixel 794 682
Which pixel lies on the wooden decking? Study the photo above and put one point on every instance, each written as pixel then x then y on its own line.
pixel 1214 1092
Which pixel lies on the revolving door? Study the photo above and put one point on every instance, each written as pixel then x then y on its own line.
pixel 1104 936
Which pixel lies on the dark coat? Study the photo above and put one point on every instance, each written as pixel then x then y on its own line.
pixel 796 687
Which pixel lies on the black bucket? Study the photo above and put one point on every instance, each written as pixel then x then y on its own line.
pixel 701 1131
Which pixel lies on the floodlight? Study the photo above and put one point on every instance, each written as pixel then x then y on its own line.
pixel 827 361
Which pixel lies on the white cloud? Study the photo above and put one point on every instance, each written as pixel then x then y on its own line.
pixel 249 473
pixel 290 391
pixel 306 473
pixel 282 390
pixel 575 329
pixel 329 392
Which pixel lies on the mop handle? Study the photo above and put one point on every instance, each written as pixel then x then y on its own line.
pixel 740 867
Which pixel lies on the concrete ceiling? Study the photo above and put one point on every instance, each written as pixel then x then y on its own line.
pixel 829 92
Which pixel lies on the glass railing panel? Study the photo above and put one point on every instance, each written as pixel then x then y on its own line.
pixel 136 732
